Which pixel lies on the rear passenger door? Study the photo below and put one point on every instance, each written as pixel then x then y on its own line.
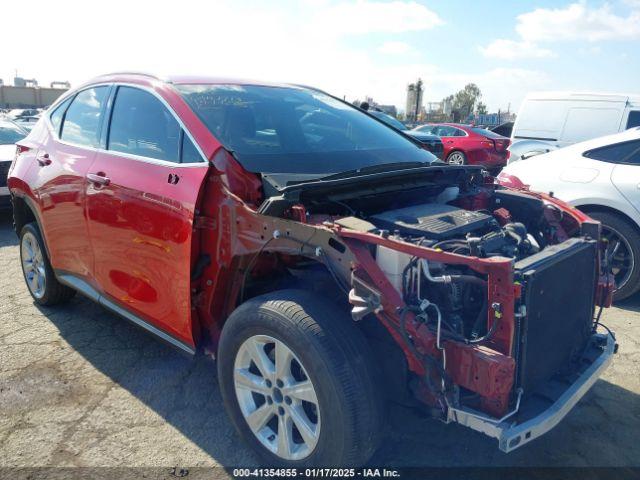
pixel 62 162
pixel 141 195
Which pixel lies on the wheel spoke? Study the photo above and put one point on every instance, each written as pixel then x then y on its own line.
pixel 267 386
pixel 285 436
pixel 33 282
pixel 283 357
pixel 303 391
pixel 247 380
pixel 304 426
pixel 260 358
pixel 259 417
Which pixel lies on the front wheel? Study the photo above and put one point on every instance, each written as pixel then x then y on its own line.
pixel 623 249
pixel 457 158
pixel 297 381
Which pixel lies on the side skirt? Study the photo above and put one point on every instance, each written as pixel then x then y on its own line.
pixel 88 291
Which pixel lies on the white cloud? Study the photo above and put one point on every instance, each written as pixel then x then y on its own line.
pixel 512 49
pixel 395 48
pixel 365 16
pixel 575 22
pixel 300 42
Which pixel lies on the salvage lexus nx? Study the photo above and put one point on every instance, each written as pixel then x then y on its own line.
pixel 330 263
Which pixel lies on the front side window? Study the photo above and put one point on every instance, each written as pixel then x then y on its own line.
pixel 296 130
pixel 625 152
pixel 82 121
pixel 141 125
pixel 427 129
pixel 634 119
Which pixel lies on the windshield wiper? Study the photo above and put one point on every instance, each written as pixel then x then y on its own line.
pixel 386 167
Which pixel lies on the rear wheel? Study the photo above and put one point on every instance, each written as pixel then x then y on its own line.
pixel 38 274
pixel 457 158
pixel 296 379
pixel 624 251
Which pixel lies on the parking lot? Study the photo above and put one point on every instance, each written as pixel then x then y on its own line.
pixel 82 387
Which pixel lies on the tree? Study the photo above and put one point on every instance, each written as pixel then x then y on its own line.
pixel 481 109
pixel 465 100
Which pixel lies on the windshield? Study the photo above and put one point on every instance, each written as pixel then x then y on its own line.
pixel 296 130
pixel 10 135
pixel 389 120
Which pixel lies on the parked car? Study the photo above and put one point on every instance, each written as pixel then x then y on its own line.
pixel 600 177
pixel 505 129
pixel 18 113
pixel 468 145
pixel 330 263
pixel 10 133
pixel 27 123
pixel 547 121
pixel 430 142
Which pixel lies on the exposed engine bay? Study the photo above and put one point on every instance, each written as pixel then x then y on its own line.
pixel 467 276
pixel 447 211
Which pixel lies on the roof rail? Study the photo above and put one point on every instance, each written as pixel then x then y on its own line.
pixel 142 74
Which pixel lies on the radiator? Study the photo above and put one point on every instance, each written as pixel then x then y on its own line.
pixel 558 293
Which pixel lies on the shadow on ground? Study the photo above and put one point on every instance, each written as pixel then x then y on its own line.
pixel 601 431
pixel 7 235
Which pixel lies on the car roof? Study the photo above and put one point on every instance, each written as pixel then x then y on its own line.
pixel 583 96
pixel 142 77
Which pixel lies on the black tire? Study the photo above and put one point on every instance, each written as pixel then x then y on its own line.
pixel 630 233
pixel 338 362
pixel 457 152
pixel 54 292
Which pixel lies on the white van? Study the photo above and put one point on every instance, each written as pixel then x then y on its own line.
pixel 551 120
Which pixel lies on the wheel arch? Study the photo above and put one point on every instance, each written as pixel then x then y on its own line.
pixel 24 212
pixel 590 208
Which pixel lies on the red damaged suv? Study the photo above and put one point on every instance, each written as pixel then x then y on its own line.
pixel 330 263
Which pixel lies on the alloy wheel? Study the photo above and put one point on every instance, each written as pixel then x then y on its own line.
pixel 456 158
pixel 621 255
pixel 33 265
pixel 276 397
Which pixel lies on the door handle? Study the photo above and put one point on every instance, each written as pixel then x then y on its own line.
pixel 98 178
pixel 43 159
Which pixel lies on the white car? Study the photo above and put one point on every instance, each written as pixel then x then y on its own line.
pixel 10 133
pixel 548 121
pixel 601 177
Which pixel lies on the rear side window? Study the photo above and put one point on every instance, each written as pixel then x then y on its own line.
pixel 634 119
pixel 58 113
pixel 141 125
pixel 445 131
pixel 82 121
pixel 188 152
pixel 625 152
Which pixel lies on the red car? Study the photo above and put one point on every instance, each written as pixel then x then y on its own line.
pixel 468 145
pixel 329 262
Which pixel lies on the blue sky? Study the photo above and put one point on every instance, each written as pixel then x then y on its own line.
pixel 351 48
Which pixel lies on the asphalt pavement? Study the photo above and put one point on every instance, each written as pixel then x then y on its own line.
pixel 81 387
